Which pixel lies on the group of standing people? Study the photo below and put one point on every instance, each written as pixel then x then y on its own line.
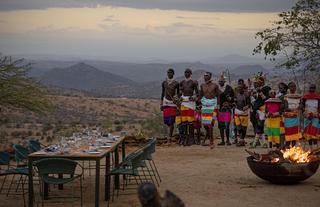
pixel 276 116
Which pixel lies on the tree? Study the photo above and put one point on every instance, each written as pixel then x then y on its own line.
pixel 295 38
pixel 19 91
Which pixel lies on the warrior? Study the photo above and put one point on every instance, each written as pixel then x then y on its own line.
pixel 241 114
pixel 226 100
pixel 273 119
pixel 258 109
pixel 291 115
pixel 170 90
pixel 189 93
pixel 283 88
pixel 209 93
pixel 241 86
pixel 310 109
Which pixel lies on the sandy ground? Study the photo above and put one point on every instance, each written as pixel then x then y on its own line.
pixel 206 178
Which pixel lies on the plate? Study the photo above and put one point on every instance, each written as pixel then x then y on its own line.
pixel 40 153
pixel 106 146
pixel 94 152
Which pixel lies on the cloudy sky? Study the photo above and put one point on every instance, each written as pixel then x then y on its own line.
pixel 135 29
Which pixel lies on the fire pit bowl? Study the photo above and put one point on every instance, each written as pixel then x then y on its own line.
pixel 282 173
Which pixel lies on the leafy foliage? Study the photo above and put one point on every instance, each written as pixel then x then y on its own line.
pixel 19 91
pixel 295 37
pixel 152 126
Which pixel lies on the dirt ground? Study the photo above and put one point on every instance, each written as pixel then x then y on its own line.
pixel 206 178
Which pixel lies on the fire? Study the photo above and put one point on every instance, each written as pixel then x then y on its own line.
pixel 296 154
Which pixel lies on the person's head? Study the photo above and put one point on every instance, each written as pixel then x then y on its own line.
pixel 188 73
pixel 207 76
pixel 312 88
pixel 240 82
pixel 292 87
pixel 170 73
pixel 222 80
pixel 148 195
pixel 282 88
pixel 272 93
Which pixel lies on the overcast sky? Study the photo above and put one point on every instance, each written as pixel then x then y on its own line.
pixel 135 29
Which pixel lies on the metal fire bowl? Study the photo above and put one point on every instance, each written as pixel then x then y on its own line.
pixel 282 173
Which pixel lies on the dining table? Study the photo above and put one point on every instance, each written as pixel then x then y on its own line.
pixel 97 155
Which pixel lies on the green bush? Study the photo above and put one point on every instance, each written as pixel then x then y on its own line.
pixel 118 128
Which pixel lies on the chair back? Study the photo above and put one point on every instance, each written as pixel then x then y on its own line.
pixel 56 166
pixel 34 145
pixel 4 158
pixel 149 149
pixel 153 144
pixel 21 153
pixel 136 160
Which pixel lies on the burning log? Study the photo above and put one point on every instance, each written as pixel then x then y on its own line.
pixel 254 154
pixel 268 157
pixel 315 151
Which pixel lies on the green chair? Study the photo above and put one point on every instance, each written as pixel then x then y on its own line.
pixel 58 171
pixel 35 145
pixel 130 168
pixel 21 155
pixel 4 161
pixel 146 151
pixel 153 144
pixel 124 162
pixel 23 172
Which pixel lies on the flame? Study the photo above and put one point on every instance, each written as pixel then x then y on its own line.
pixel 275 160
pixel 296 154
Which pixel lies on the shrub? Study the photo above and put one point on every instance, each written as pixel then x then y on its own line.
pixel 30 133
pixel 118 128
pixel 117 122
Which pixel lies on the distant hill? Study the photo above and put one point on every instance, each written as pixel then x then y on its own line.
pixel 138 72
pixel 149 71
pixel 39 67
pixel 84 77
pixel 134 80
pixel 235 59
pixel 247 71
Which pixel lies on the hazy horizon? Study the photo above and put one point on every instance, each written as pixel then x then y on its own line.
pixel 135 31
